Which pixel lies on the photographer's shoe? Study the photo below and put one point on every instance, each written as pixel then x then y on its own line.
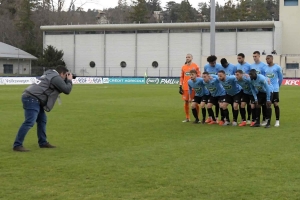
pixel 20 148
pixel 47 145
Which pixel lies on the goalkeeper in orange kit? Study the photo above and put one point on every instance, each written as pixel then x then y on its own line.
pixel 184 88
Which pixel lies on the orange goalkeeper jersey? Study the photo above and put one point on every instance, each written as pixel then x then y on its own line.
pixel 185 74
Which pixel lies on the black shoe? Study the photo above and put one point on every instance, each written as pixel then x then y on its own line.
pixel 268 126
pixel 203 121
pixel 196 122
pixel 256 125
pixel 20 148
pixel 47 145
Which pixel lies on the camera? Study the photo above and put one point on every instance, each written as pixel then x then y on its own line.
pixel 74 75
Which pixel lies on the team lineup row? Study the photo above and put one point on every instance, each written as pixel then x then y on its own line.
pixel 252 86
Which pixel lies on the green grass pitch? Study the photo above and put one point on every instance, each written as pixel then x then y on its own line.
pixel 128 142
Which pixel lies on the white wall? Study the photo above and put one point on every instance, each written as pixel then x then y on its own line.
pixel 65 43
pixel 180 45
pixel 248 42
pixel 278 37
pixel 120 47
pixel 206 44
pixel 152 47
pixel 289 16
pixel 226 43
pixel 89 47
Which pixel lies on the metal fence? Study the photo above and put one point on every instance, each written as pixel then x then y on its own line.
pixel 128 72
pixel 110 71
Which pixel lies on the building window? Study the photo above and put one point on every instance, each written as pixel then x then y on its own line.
pixel 123 64
pixel 8 69
pixel 154 64
pixel 292 65
pixel 290 2
pixel 92 64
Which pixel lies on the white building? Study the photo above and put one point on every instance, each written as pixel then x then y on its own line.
pixel 159 49
pixel 14 60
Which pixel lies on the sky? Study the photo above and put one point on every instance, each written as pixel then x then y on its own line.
pixel 103 4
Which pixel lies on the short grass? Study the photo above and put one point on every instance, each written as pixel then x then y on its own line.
pixel 128 142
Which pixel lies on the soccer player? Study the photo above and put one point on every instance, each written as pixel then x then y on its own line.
pixel 242 65
pixel 264 96
pixel 201 95
pixel 228 68
pixel 245 67
pixel 274 73
pixel 184 88
pixel 233 96
pixel 247 97
pixel 217 94
pixel 212 68
pixel 260 68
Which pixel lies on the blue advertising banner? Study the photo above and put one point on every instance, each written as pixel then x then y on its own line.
pixel 123 81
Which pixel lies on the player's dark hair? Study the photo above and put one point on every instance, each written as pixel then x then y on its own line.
pixel 205 73
pixel 242 55
pixel 256 52
pixel 223 61
pixel 252 71
pixel 193 71
pixel 270 56
pixel 239 71
pixel 212 58
pixel 221 71
pixel 61 69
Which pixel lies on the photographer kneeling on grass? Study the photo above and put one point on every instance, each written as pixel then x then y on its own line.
pixel 38 98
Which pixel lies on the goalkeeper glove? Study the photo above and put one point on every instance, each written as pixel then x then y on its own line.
pixel 180 90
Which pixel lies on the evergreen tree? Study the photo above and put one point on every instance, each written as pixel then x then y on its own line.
pixel 51 58
pixel 172 11
pixel 139 12
pixel 153 5
pixel 26 26
pixel 186 12
pixel 204 10
pixel 258 11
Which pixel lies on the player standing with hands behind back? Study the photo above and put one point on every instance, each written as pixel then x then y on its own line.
pixel 274 73
pixel 184 88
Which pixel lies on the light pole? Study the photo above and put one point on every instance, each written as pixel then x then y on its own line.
pixel 212 27
pixel 18 60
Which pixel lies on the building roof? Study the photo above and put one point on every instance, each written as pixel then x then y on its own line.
pixel 11 52
pixel 157 26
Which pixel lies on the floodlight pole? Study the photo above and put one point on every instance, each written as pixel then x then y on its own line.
pixel 212 27
pixel 18 61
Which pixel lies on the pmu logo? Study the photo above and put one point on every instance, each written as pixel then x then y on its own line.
pixel 227 87
pixel 212 89
pixel 187 73
pixel 258 72
pixel 152 81
pixel 270 75
pixel 198 89
pixel 259 87
pixel 246 87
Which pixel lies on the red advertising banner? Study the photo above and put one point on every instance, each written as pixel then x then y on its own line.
pixel 291 82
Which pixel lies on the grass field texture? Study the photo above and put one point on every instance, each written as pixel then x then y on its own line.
pixel 128 142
